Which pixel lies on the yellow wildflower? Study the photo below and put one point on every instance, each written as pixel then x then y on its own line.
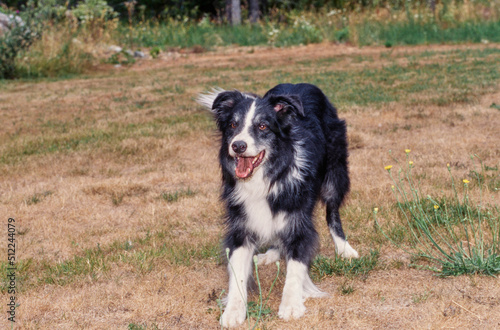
pixel 436 207
pixel 388 167
pixel 375 210
pixel 465 181
pixel 407 151
pixel 410 162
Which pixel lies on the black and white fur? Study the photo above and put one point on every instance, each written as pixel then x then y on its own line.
pixel 279 154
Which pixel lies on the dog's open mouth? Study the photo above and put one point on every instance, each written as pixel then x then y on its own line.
pixel 246 165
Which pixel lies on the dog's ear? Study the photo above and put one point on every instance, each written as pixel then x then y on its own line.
pixel 207 99
pixel 286 105
pixel 223 106
pixel 226 101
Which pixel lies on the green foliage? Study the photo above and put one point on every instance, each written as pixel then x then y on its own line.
pixel 302 31
pixel 122 58
pixel 406 33
pixel 68 60
pixel 91 10
pixel 155 51
pixel 342 35
pixel 454 234
pixel 51 10
pixel 186 34
pixel 21 35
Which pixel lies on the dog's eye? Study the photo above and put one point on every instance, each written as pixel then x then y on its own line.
pixel 262 126
pixel 234 124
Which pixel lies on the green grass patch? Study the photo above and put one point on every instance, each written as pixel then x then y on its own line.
pixel 346 289
pixel 415 33
pixel 93 263
pixel 175 196
pixel 145 326
pixel 173 33
pixel 38 197
pixel 323 266
pixel 142 253
pixel 454 235
pixel 20 274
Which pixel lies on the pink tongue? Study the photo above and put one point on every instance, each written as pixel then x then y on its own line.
pixel 244 167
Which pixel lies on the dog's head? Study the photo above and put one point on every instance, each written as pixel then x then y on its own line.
pixel 252 128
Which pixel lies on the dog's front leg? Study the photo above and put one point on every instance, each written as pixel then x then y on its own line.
pixel 292 302
pixel 240 268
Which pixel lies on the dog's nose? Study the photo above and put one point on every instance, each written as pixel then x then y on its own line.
pixel 239 147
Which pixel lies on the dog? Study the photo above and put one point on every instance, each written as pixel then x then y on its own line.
pixel 279 155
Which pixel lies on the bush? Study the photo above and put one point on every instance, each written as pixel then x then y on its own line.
pixel 68 44
pixel 92 10
pixel 21 35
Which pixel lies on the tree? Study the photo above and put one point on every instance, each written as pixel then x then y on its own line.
pixel 233 11
pixel 254 10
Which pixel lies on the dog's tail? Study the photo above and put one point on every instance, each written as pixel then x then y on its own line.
pixel 207 99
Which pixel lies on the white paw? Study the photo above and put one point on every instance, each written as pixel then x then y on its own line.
pixel 272 255
pixel 346 251
pixel 234 315
pixel 342 247
pixel 291 308
pixel 310 290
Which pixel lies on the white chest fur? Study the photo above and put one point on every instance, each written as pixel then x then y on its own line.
pixel 253 194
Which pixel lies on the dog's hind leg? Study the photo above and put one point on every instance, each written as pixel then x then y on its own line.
pixel 342 247
pixel 336 186
pixel 272 255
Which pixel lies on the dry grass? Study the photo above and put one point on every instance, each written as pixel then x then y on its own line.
pixel 101 152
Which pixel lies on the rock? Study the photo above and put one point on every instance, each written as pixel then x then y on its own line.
pixel 115 49
pixel 139 54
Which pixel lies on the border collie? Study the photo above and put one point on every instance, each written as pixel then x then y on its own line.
pixel 279 154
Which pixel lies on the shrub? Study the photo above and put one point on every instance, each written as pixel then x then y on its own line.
pixel 21 35
pixel 92 10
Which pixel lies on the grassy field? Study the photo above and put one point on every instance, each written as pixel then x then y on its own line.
pixel 113 181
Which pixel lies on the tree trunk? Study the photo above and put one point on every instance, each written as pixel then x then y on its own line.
pixel 432 6
pixel 254 10
pixel 235 12
pixel 228 10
